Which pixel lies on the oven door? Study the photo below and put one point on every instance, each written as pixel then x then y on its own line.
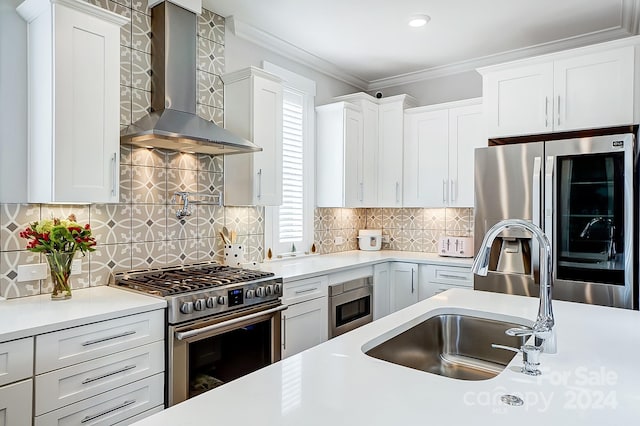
pixel 206 353
pixel 350 310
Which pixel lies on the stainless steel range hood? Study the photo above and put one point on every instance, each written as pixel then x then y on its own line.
pixel 173 124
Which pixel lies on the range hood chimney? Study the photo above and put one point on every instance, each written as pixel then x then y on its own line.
pixel 173 123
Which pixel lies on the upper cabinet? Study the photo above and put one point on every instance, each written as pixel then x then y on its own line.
pixel 339 155
pixel 359 151
pixel 439 145
pixel 253 110
pixel 74 101
pixel 573 90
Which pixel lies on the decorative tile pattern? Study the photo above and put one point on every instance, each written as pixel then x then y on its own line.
pixel 141 32
pixel 148 185
pixel 148 157
pixel 125 66
pixel 140 104
pixel 125 105
pixel 210 163
pixel 182 160
pixel 215 115
pixel 148 255
pixel 210 56
pixel 211 26
pixel 140 70
pixel 14 218
pixel 149 222
pixel 140 6
pixel 210 89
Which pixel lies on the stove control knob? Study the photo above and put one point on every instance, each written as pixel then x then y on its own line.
pixel 200 305
pixel 277 288
pixel 211 302
pixel 187 308
pixel 250 294
pixel 269 289
pixel 260 292
pixel 222 300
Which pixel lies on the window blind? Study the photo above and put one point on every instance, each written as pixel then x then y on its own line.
pixel 291 217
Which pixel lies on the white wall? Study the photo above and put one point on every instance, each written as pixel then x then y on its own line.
pixel 13 104
pixel 443 89
pixel 240 53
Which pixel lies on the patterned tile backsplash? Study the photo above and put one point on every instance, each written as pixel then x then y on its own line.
pixel 407 229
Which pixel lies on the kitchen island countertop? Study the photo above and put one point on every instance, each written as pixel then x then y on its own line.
pixel 592 380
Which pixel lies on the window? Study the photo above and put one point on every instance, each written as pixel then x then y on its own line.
pixel 290 226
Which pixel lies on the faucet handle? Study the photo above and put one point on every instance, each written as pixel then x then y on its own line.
pixel 530 357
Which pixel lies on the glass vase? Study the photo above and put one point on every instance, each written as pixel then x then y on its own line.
pixel 60 266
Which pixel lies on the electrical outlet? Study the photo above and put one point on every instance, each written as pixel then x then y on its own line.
pixel 35 271
pixel 76 266
pixel 338 241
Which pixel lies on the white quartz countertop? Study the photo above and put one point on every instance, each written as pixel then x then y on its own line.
pixel 594 378
pixel 28 316
pixel 308 266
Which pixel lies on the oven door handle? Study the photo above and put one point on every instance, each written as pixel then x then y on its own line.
pixel 182 335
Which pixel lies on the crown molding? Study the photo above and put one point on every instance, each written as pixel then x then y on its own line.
pixel 508 56
pixel 286 49
pixel 630 25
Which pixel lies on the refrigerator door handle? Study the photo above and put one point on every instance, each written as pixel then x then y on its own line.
pixel 537 169
pixel 548 198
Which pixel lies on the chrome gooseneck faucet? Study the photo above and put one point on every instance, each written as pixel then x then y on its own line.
pixel 543 327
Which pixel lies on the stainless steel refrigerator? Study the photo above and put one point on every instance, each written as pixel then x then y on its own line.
pixel 581 193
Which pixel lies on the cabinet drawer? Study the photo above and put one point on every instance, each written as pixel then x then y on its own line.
pixel 140 416
pixel 307 289
pixel 459 276
pixel 109 407
pixel 77 382
pixel 16 360
pixel 71 346
pixel 15 404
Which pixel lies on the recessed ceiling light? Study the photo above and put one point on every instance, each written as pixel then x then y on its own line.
pixel 419 20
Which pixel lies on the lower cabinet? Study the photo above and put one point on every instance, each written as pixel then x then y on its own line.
pixel 403 279
pixel 15 403
pixel 381 287
pixel 106 372
pixel 435 279
pixel 305 322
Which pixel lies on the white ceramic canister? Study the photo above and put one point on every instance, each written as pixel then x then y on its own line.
pixel 234 255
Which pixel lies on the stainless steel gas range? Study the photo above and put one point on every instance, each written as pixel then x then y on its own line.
pixel 222 322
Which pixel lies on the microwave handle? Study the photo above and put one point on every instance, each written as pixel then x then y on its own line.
pixel 182 335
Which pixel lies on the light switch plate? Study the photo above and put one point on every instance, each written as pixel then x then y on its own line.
pixel 338 241
pixel 76 266
pixel 35 271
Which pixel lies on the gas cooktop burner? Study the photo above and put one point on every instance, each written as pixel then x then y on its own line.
pixel 170 281
pixel 201 290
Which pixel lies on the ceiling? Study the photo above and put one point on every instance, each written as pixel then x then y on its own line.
pixel 369 44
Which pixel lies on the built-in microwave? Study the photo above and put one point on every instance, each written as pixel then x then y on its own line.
pixel 350 305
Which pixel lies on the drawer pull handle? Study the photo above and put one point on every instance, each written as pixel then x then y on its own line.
pixel 454 277
pixel 104 339
pixel 107 411
pixel 121 370
pixel 305 291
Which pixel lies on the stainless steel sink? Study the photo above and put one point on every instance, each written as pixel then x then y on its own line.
pixel 452 345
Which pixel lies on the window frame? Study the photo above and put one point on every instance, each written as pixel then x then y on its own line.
pixel 307 88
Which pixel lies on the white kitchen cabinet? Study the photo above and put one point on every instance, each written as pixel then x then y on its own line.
pixel 572 90
pixel 16 384
pixel 339 160
pixel 305 322
pixel 253 110
pixel 107 371
pixel 74 101
pixel 434 279
pixel 403 283
pixel 374 156
pixel 439 146
pixel 15 403
pixel 381 291
pixel 390 149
